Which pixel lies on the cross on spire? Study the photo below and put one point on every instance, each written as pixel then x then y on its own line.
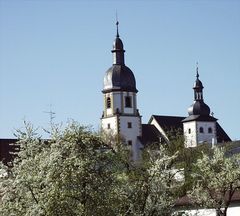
pixel 117 23
pixel 197 70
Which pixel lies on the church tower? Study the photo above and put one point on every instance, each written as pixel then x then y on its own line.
pixel 120 114
pixel 199 126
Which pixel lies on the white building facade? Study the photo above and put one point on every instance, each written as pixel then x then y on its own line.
pixel 199 127
pixel 120 115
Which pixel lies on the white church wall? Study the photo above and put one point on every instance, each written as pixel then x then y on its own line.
pixel 130 134
pixel 110 124
pixel 129 110
pixel 189 129
pixel 117 101
pixel 205 136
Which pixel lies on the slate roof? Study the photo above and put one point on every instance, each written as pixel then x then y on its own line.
pixel 199 118
pixel 6 149
pixel 222 135
pixel 169 123
pixel 150 134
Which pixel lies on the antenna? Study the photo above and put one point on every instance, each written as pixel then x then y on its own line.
pixel 51 114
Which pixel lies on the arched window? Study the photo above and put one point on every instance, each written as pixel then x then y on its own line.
pixel 189 130
pixel 209 130
pixel 128 102
pixel 108 102
pixel 201 130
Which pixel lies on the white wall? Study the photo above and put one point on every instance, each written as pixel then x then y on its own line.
pixel 195 137
pixel 130 133
pixel 206 137
pixel 113 124
pixel 190 138
pixel 232 211
pixel 118 102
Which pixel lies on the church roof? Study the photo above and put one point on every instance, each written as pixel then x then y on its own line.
pixel 221 134
pixel 169 122
pixel 199 118
pixel 150 134
pixel 6 148
pixel 174 123
pixel 119 78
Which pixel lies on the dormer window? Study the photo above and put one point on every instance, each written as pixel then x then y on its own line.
pixel 128 102
pixel 201 130
pixel 108 102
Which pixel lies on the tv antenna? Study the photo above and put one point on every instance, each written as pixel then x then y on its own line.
pixel 51 114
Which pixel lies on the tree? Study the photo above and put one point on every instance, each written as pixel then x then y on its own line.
pixel 152 185
pixel 216 179
pixel 73 173
pixel 77 172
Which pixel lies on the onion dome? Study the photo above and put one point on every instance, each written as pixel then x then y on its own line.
pixel 119 77
pixel 199 108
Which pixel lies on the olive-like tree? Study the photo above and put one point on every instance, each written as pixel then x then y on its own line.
pixel 216 179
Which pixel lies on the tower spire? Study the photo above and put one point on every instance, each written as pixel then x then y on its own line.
pixel 118 51
pixel 117 23
pixel 197 75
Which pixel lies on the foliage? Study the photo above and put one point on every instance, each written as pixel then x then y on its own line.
pixel 76 172
pixel 216 179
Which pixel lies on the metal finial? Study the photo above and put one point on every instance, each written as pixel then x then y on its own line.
pixel 117 23
pixel 197 70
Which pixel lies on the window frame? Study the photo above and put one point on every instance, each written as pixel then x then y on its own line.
pixel 108 102
pixel 128 101
pixel 210 130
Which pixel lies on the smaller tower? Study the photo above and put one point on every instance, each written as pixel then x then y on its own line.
pixel 199 126
pixel 120 114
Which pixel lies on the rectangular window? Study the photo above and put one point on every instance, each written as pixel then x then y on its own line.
pixel 108 126
pixel 128 102
pixel 129 124
pixel 108 102
pixel 129 142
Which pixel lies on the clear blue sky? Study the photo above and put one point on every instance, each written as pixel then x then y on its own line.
pixel 56 52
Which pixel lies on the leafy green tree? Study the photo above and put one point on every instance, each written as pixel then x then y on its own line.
pixel 73 173
pixel 216 178
pixel 78 172
pixel 152 185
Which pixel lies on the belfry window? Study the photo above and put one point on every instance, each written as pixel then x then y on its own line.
pixel 108 101
pixel 209 130
pixel 128 101
pixel 201 130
